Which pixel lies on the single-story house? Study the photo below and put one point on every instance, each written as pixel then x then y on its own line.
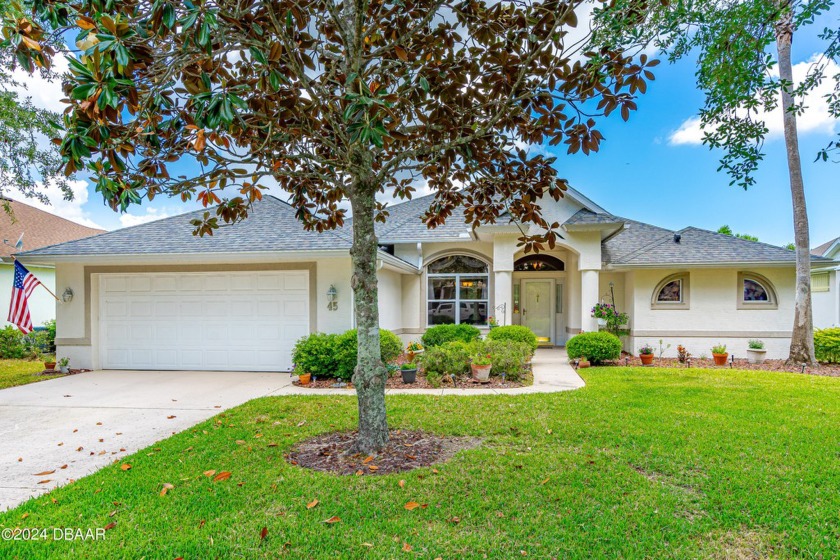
pixel 33 228
pixel 154 296
pixel 825 286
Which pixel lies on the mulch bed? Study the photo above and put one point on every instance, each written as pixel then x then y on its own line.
pixel 56 372
pixel 405 451
pixel 395 382
pixel 827 370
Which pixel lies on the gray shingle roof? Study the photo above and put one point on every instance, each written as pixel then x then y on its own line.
pixel 822 249
pixel 648 245
pixel 271 226
pixel 405 222
pixel 586 217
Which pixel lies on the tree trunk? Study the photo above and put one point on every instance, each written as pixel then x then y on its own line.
pixel 802 338
pixel 370 374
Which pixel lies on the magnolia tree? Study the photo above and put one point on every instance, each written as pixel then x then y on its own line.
pixel 335 102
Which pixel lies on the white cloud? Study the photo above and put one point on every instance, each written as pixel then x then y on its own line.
pixel 151 214
pixel 815 119
pixel 68 209
pixel 45 94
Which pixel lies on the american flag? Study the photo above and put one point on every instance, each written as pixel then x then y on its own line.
pixel 25 282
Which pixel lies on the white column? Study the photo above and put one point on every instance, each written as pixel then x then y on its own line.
pixel 589 289
pixel 503 292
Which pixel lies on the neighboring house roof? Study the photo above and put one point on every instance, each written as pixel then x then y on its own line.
pixel 645 245
pixel 823 250
pixel 39 228
pixel 271 226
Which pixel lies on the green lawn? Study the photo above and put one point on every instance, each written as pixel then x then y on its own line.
pixel 21 372
pixel 640 463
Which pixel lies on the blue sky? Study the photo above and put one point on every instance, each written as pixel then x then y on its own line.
pixel 641 173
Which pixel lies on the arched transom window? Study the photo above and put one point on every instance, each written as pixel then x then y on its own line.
pixel 458 291
pixel 755 292
pixel 672 292
pixel 539 263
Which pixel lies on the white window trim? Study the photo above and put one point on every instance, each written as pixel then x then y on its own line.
pixel 685 293
pixel 457 276
pixel 768 286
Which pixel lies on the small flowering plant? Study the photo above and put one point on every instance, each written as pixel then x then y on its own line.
pixel 481 360
pixel 603 310
pixel 492 323
pixel 646 350
pixel 414 346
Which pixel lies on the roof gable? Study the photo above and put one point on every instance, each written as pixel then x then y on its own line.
pixel 829 249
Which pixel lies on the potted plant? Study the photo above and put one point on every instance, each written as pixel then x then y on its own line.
pixel 303 377
pixel 646 354
pixel 481 366
pixel 756 351
pixel 720 355
pixel 64 365
pixel 49 362
pixel 492 323
pixel 584 362
pixel 413 349
pixel 602 312
pixel 409 372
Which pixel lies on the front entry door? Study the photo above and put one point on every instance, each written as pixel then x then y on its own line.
pixel 538 308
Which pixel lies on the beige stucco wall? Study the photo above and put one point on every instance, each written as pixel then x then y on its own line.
pixel 826 305
pixel 713 316
pixel 41 303
pixel 390 299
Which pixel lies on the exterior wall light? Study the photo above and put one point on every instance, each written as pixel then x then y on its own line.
pixel 332 298
pixel 67 296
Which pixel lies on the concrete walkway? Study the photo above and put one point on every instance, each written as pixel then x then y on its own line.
pixel 76 425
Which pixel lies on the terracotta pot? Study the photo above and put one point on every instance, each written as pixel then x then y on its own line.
pixel 409 375
pixel 583 363
pixel 49 365
pixel 482 373
pixel 720 359
pixel 305 378
pixel 647 359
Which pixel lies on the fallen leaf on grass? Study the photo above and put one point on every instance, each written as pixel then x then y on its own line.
pixel 367 544
pixel 110 525
pixel 546 480
pixel 301 423
pixel 435 471
pixel 455 520
pixel 263 533
pixel 45 473
pixel 406 547
pixel 241 442
pixel 166 488
pixel 24 516
pixel 333 519
pixel 125 467
pixel 412 505
pixel 401 483
pixel 209 473
pixel 112 514
pixel 312 504
pixel 271 445
pixel 224 475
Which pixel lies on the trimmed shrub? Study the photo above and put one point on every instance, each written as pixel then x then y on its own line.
pixel 346 351
pixel 827 345
pixel 316 354
pixel 509 357
pixel 451 358
pixel 597 347
pixel 441 334
pixel 12 343
pixel 516 333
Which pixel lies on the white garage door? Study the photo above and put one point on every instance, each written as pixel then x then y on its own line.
pixel 229 321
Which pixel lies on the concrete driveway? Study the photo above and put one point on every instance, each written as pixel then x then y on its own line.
pixel 76 425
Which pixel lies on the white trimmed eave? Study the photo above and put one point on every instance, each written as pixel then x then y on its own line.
pixel 187 258
pixel 390 262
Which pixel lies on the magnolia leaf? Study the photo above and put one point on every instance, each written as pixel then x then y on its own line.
pixel 224 475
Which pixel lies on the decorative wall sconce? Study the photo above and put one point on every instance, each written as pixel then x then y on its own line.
pixel 67 296
pixel 332 298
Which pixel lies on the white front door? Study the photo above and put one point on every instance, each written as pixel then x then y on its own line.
pixel 538 308
pixel 234 321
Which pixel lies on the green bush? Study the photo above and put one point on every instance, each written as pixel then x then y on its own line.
pixel 441 334
pixel 827 345
pixel 346 352
pixel 516 333
pixel 12 343
pixel 509 357
pixel 451 358
pixel 316 354
pixel 597 347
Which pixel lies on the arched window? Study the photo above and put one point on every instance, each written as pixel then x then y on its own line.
pixel 755 292
pixel 458 291
pixel 672 292
pixel 539 263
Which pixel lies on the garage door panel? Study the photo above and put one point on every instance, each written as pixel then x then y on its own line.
pixel 245 321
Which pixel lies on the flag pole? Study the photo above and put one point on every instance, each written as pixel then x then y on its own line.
pixel 42 285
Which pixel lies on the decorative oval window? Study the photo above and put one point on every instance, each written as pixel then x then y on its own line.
pixel 671 292
pixel 539 263
pixel 753 291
